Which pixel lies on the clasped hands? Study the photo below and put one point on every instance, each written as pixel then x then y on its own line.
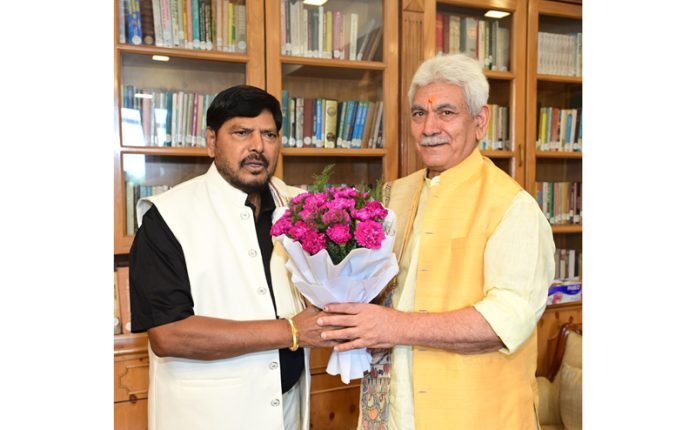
pixel 347 326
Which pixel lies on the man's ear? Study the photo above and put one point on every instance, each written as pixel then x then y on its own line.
pixel 481 121
pixel 210 142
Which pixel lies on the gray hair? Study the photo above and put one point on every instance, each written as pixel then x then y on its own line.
pixel 456 69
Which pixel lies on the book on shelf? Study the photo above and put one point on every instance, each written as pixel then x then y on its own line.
pixel 122 21
pixel 292 123
pixel 284 107
pixel 561 202
pixel 307 122
pixel 124 298
pixel 369 122
pixel 365 38
pixel 485 40
pixel 318 126
pixel 174 25
pixel 337 37
pixel 330 123
pixel 353 36
pixel 373 143
pixel 559 129
pixel 559 54
pixel 147 21
pixel 134 32
pixel 374 44
pixel 117 307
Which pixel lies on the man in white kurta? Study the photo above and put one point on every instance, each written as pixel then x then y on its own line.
pixel 225 325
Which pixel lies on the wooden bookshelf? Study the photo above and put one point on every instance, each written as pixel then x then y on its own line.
pixel 339 79
pixel 189 70
pixel 560 91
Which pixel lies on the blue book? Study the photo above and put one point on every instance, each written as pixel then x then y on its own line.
pixel 319 115
pixel 134 29
pixel 569 123
pixel 195 21
pixel 168 122
pixel 356 140
pixel 350 122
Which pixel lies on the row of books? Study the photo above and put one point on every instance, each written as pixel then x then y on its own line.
pixel 560 54
pixel 568 264
pixel 497 137
pixel 122 319
pixel 561 202
pixel 326 123
pixel 484 40
pixel 135 192
pixel 218 25
pixel 163 118
pixel 311 31
pixel 559 129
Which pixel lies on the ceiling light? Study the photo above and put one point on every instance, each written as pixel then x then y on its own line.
pixel 160 58
pixel 314 2
pixel 496 14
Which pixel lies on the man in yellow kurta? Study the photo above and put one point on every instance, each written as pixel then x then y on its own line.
pixel 454 346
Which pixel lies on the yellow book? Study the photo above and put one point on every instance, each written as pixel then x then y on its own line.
pixel 331 109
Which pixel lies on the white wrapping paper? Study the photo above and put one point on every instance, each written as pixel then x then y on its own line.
pixel 360 277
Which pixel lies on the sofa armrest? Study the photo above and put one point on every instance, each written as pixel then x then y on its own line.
pixel 549 401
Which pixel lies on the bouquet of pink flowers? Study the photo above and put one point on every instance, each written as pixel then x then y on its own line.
pixel 339 242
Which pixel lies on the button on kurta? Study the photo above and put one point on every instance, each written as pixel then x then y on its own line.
pixel 275 402
pixel 261 291
pixel 273 365
pixel 244 215
pixel 252 253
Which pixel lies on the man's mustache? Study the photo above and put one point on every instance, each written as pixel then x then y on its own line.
pixel 433 140
pixel 256 158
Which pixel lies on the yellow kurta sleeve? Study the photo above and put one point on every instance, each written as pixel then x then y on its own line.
pixel 518 269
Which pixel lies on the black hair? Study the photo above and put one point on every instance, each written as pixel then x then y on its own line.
pixel 242 100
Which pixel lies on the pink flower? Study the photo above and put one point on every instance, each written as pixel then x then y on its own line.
pixel 369 234
pixel 299 230
pixel 299 199
pixel 313 242
pixel 315 201
pixel 372 211
pixel 344 193
pixel 340 203
pixel 335 216
pixel 339 233
pixel 283 225
pixel 308 214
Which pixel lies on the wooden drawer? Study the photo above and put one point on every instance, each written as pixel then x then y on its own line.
pixel 130 415
pixel 333 404
pixel 130 377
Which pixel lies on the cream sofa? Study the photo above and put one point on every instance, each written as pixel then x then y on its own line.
pixel 560 399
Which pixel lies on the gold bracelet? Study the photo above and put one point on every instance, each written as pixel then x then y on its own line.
pixel 293 329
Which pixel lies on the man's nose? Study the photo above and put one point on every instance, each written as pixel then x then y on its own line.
pixel 256 142
pixel 431 124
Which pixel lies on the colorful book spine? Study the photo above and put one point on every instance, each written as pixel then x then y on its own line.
pixel 317 140
pixel 122 21
pixel 134 32
pixel 285 108
pixel 241 28
pixel 331 109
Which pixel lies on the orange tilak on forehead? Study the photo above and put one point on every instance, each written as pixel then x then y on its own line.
pixel 430 102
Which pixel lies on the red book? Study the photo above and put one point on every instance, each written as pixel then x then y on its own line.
pixel 308 122
pixel 445 34
pixel 438 32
